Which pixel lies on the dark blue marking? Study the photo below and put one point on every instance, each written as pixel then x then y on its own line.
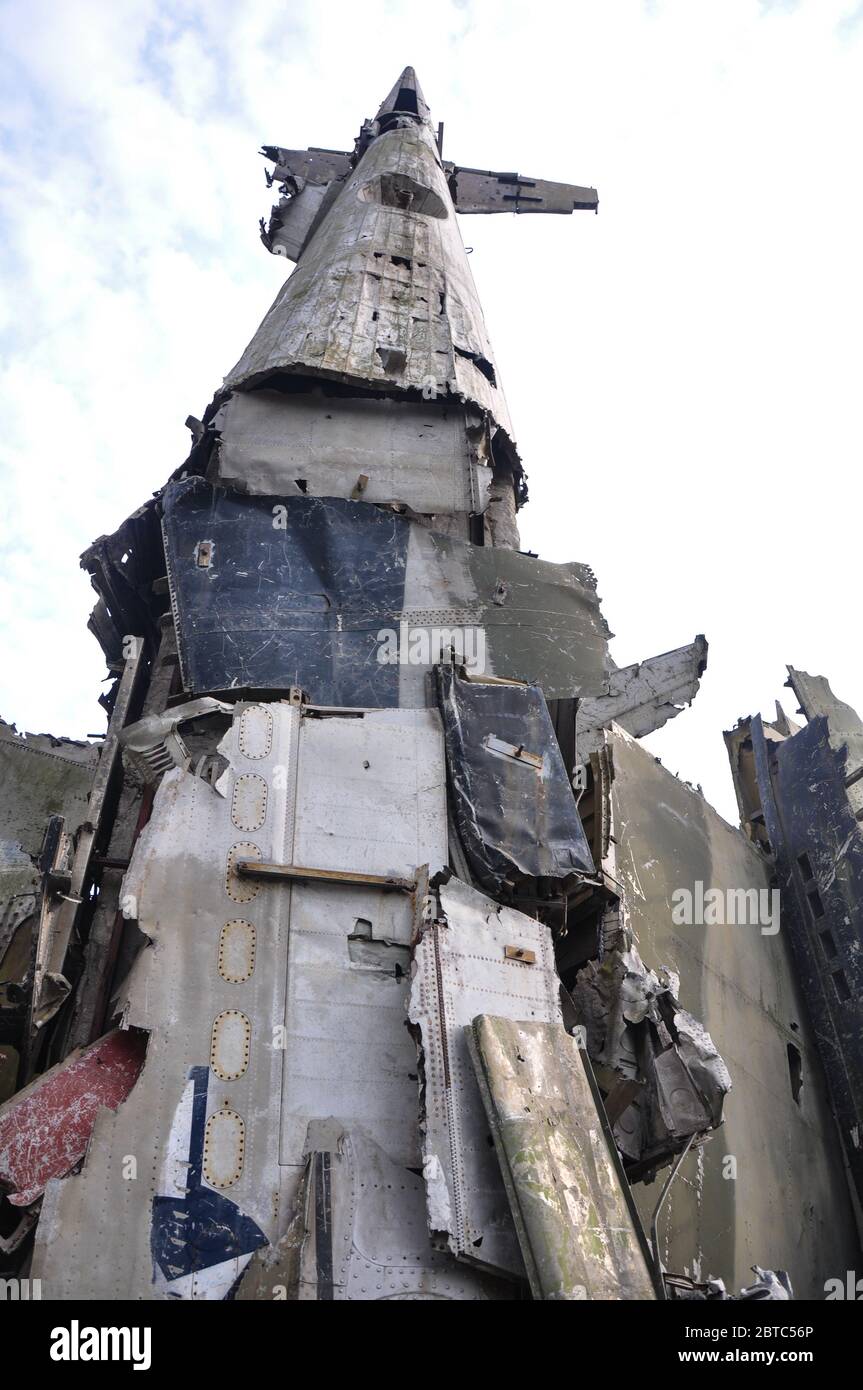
pixel 203 1228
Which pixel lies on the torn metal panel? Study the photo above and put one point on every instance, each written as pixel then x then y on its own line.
pixel 365 1233
pixel 738 744
pixel 577 1231
pixel 642 697
pixel 304 178
pixel 844 728
pixel 462 966
pixel 292 219
pixel 772 1286
pixel 153 744
pixel 817 844
pixel 122 569
pixel 513 802
pixel 343 600
pixel 45 1129
pixel 637 1029
pixel 41 776
pixel 483 190
pixel 429 456
pixel 786 727
pixel 315 166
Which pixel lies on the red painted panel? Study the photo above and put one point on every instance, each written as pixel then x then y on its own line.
pixel 45 1129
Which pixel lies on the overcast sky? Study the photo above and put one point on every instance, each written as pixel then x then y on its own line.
pixel 683 370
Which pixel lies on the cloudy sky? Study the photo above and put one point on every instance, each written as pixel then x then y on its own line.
pixel 683 370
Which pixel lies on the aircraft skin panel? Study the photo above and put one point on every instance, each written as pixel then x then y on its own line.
pixel 473 955
pixel 196 1170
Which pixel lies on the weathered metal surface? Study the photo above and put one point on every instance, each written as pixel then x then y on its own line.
pixel 370 798
pixel 638 1030
pixel 45 1129
pixel 122 569
pixel 153 744
pixel 817 846
pixel 483 190
pixel 41 776
pixel 462 966
pixel 315 166
pixel 253 868
pixel 642 697
pixel 103 1235
pixel 42 779
pixel 347 1051
pixel 364 1231
pixel 844 729
pixel 50 985
pixel 304 177
pixel 513 801
pixel 741 984
pixel 371 793
pixel 427 455
pixel 344 600
pixel 405 97
pixel 294 995
pixel 576 1230
pixel 383 294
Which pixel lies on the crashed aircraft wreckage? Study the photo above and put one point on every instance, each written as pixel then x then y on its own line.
pixel 343 968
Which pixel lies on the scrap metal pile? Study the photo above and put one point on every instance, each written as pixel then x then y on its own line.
pixel 321 977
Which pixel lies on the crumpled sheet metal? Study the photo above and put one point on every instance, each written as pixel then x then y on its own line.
pixel 364 1229
pixel 576 1229
pixel 461 966
pixel 383 295
pixel 343 599
pixel 514 806
pixel 304 178
pixel 637 1029
pixel 642 697
pixel 770 1286
pixel 427 455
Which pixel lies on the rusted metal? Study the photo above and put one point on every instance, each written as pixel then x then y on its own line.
pixel 252 868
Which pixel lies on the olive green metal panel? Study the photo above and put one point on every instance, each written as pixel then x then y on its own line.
pixel 577 1233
